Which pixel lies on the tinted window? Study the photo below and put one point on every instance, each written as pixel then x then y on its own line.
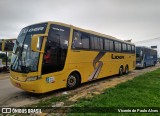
pixel 111 46
pixel 77 41
pixel 133 49
pixel 92 42
pixel 117 46
pixel 124 47
pixel 129 48
pixel 56 49
pixel 108 45
pixel 85 41
pixel 96 43
pixel 100 43
pixel 80 40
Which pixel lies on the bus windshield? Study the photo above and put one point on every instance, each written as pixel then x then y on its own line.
pixel 138 51
pixel 23 59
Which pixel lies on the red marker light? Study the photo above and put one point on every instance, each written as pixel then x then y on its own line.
pixel 18 85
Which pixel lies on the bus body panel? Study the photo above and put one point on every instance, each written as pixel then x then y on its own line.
pixel 110 66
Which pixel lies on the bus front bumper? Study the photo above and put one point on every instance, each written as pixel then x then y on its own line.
pixel 138 65
pixel 30 86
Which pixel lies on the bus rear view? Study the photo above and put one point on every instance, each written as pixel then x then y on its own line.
pixel 145 57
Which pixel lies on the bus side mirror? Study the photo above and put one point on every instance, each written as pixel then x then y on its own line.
pixel 141 53
pixel 36 42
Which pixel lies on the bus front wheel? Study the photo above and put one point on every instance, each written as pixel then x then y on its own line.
pixel 144 65
pixel 73 81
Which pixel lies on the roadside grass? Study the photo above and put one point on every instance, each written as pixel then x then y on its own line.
pixel 142 91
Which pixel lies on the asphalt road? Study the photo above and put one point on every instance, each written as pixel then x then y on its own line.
pixel 14 97
pixel 11 96
pixel 7 90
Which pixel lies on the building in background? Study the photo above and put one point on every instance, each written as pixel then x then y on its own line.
pixel 150 42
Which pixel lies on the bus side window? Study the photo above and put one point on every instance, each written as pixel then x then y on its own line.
pixel 95 40
pixel 77 42
pixel 118 46
pixel 108 45
pixel 100 43
pixel 85 41
pixel 111 45
pixel 92 42
pixel 96 43
pixel 124 47
pixel 129 48
pixel 80 40
pixel 133 49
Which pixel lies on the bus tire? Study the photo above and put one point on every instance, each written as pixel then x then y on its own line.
pixel 73 81
pixel 154 63
pixel 144 65
pixel 121 71
pixel 126 69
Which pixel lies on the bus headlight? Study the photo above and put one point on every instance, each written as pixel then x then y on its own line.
pixel 32 78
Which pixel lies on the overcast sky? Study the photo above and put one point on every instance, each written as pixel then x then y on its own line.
pixel 124 19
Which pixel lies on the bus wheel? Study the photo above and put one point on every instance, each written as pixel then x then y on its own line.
pixel 154 63
pixel 126 70
pixel 121 71
pixel 73 81
pixel 144 65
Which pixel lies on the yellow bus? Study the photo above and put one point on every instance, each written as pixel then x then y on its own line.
pixel 51 55
pixel 6 45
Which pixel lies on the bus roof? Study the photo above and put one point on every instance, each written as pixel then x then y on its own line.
pixel 145 47
pixel 85 30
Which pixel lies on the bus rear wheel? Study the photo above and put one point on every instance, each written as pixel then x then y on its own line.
pixel 121 71
pixel 126 69
pixel 154 64
pixel 73 81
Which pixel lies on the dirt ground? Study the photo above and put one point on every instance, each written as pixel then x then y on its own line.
pixel 86 90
